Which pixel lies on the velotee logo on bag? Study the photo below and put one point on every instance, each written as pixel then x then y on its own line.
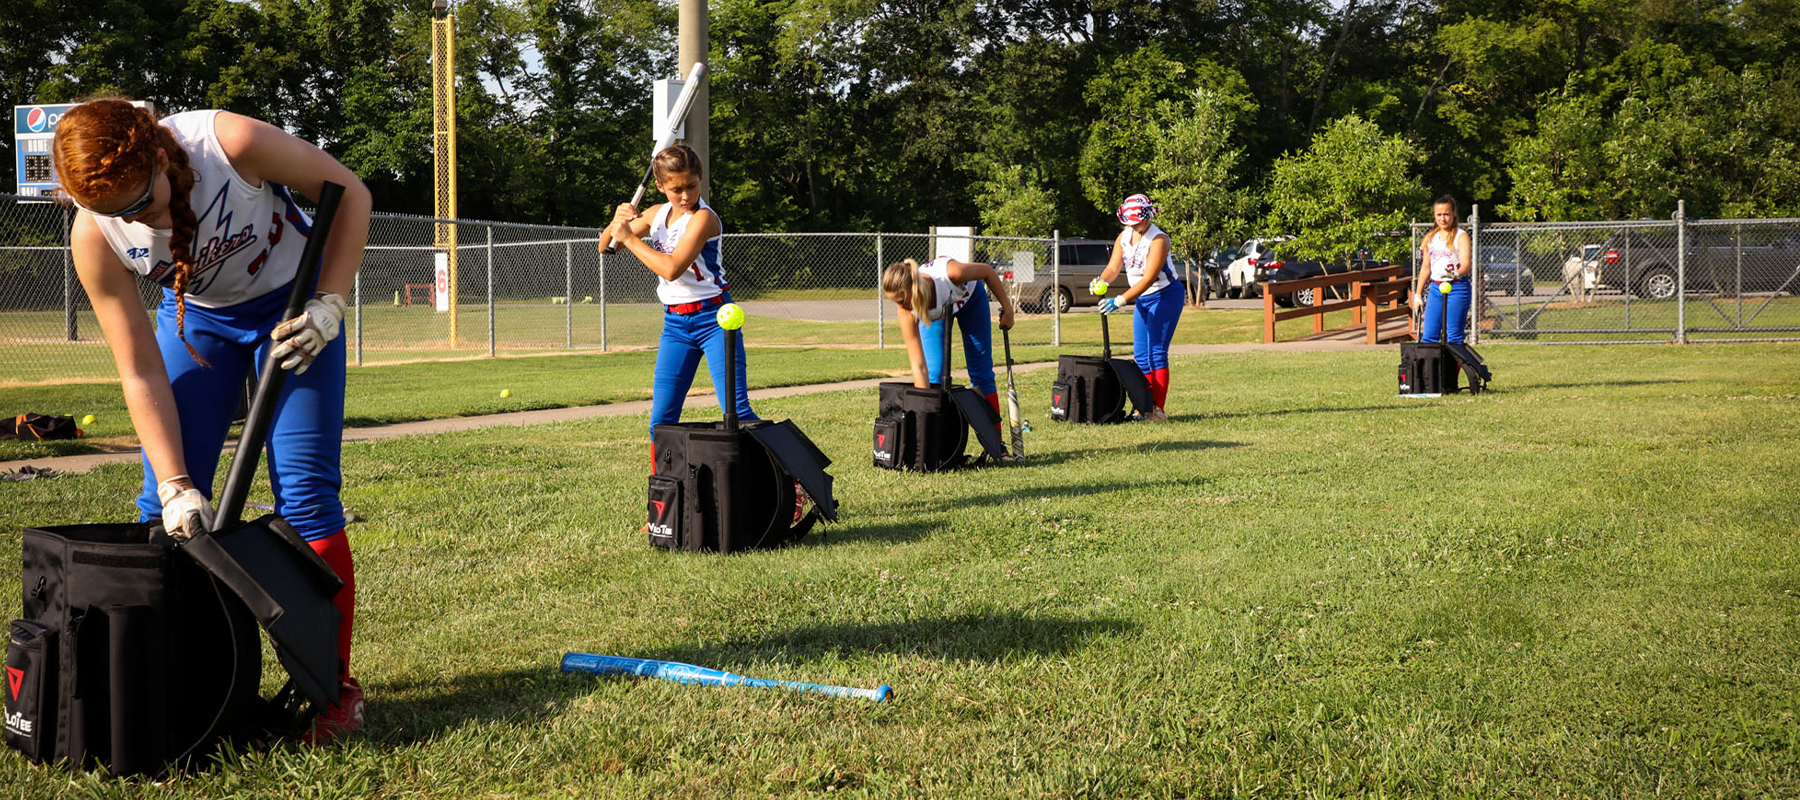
pixel 659 508
pixel 15 678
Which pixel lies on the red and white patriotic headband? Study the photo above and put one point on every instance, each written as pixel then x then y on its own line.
pixel 1136 209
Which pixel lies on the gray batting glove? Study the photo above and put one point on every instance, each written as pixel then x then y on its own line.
pixel 185 511
pixel 299 340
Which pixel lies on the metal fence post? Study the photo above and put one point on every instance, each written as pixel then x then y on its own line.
pixel 356 292
pixel 71 331
pixel 1681 272
pixel 569 294
pixel 1477 296
pixel 880 324
pixel 490 288
pixel 1056 288
pixel 602 295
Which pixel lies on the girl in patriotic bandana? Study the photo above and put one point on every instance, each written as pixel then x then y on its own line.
pixel 1142 250
pixel 926 294
pixel 203 204
pixel 683 251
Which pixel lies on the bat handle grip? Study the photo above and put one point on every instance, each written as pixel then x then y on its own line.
pixel 636 197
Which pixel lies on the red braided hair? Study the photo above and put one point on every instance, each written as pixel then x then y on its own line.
pixel 108 146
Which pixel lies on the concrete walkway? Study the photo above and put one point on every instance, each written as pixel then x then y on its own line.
pixel 83 463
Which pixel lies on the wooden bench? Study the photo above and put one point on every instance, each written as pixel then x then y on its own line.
pixel 1369 291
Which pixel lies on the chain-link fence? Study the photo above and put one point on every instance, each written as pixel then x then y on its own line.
pixel 1636 281
pixel 435 289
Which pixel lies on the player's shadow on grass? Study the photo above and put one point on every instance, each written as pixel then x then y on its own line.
pixel 960 505
pixel 1054 457
pixel 404 713
pixel 965 638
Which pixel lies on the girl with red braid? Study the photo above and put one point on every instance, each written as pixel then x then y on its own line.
pixel 203 203
pixel 1142 250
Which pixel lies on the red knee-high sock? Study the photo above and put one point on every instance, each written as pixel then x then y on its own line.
pixel 994 400
pixel 335 549
pixel 1159 386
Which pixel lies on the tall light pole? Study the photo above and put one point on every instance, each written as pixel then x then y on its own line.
pixel 692 35
pixel 443 143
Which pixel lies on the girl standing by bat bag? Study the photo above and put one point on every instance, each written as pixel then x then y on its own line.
pixel 1446 250
pixel 1142 250
pixel 683 251
pixel 200 203
pixel 947 287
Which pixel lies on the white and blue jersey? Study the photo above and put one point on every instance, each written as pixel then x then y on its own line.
pixel 946 294
pixel 247 241
pixel 1135 255
pixel 702 280
pixel 1443 256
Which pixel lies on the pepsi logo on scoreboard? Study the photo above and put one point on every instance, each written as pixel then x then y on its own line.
pixel 38 119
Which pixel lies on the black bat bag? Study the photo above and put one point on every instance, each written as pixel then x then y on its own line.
pixel 1427 368
pixel 1093 389
pixel 130 655
pixel 727 490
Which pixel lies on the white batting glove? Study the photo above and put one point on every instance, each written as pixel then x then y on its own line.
pixel 299 340
pixel 185 511
pixel 1109 305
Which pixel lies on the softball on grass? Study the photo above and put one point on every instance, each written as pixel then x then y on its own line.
pixel 731 316
pixel 1098 287
pixel 87 420
pixel 506 393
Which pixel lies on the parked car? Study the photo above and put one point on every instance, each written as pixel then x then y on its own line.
pixel 1205 277
pixel 1082 260
pixel 1580 270
pixel 1240 275
pixel 1275 268
pixel 1720 260
pixel 1501 271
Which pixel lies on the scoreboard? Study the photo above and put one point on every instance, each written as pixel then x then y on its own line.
pixel 34 127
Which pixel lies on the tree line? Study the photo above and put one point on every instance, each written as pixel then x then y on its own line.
pixel 1335 120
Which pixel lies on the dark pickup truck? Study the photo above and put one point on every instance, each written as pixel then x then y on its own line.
pixel 1721 259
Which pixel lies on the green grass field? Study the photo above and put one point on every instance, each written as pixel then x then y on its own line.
pixel 1583 584
pixel 465 385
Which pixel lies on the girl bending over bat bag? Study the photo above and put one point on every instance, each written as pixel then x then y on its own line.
pixel 1142 250
pixel 203 204
pixel 947 287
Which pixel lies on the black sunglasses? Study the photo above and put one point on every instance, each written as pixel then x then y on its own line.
pixel 142 202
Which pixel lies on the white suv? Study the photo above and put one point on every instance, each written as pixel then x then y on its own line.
pixel 1240 277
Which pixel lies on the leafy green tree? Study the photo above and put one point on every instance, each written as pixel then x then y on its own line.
pixel 1710 142
pixel 1193 172
pixel 1116 156
pixel 1559 172
pixel 1350 185
pixel 1012 205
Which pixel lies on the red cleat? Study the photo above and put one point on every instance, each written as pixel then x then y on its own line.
pixel 341 720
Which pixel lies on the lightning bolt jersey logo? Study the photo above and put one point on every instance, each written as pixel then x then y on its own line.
pixel 222 241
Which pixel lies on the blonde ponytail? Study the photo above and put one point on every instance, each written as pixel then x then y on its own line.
pixel 903 278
